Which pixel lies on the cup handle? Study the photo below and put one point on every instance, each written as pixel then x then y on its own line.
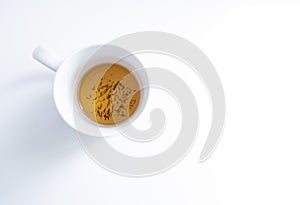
pixel 47 57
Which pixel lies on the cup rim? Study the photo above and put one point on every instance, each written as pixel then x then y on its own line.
pixel 91 127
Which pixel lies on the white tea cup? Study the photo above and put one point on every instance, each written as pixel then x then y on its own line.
pixel 69 72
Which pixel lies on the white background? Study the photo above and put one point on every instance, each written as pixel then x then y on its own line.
pixel 255 47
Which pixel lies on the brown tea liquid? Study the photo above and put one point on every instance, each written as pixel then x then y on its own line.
pixel 109 93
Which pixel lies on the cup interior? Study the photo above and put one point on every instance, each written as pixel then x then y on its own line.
pixel 68 78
